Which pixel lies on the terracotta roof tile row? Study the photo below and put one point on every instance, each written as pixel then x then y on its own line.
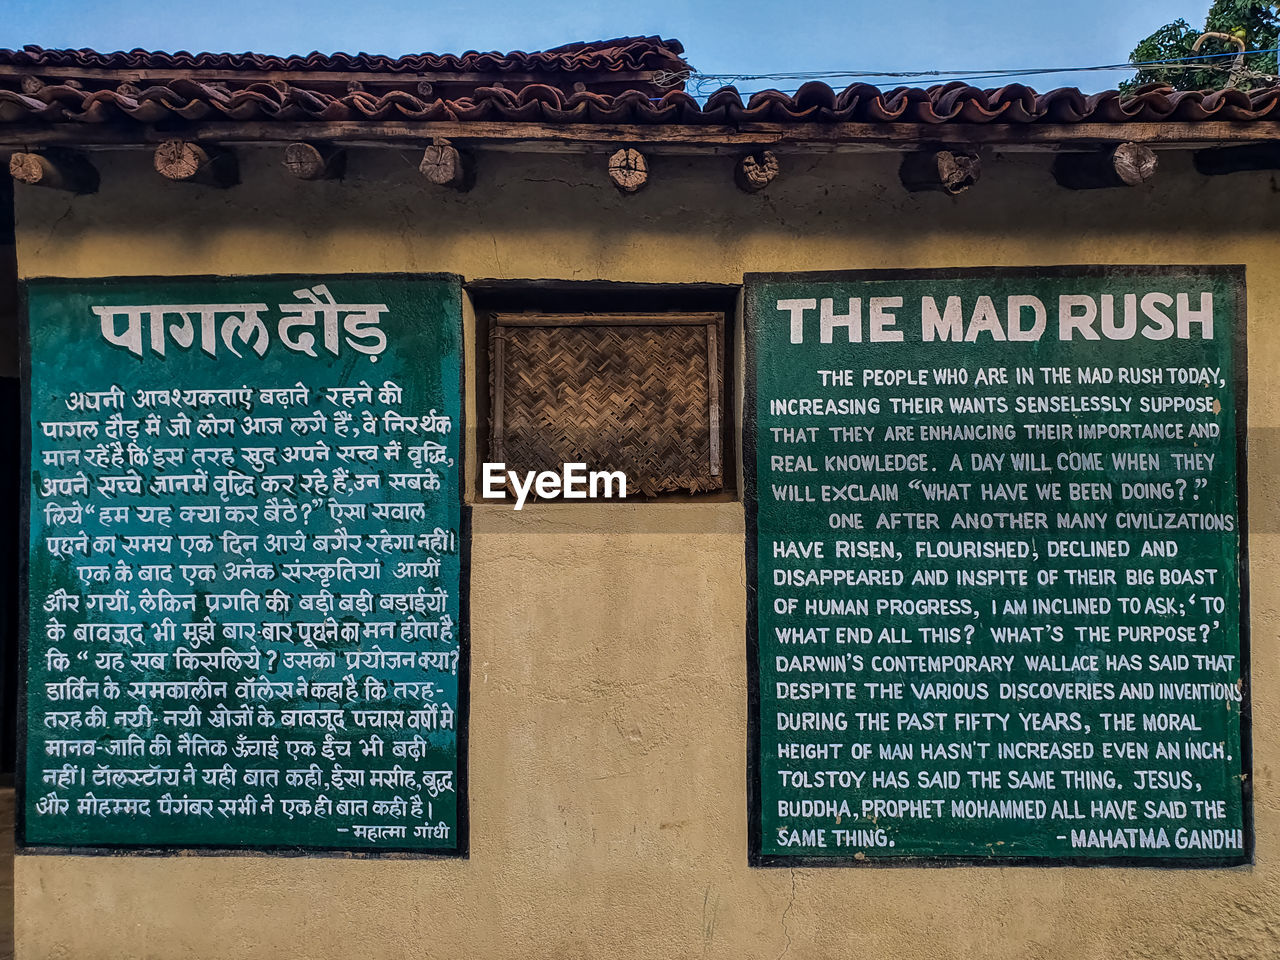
pixel 814 102
pixel 622 54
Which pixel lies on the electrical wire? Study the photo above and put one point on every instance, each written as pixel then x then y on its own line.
pixel 703 83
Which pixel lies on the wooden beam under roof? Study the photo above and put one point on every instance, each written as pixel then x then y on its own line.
pixel 1128 165
pixel 55 168
pixel 199 163
pixel 669 138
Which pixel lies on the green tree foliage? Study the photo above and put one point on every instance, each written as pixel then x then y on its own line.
pixel 1257 24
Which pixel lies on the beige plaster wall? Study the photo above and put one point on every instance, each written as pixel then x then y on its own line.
pixel 608 716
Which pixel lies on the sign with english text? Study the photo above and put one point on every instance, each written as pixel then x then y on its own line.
pixel 997 595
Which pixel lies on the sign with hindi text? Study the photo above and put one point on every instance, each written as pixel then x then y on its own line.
pixel 246 590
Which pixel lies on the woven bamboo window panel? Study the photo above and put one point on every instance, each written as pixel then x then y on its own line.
pixel 640 393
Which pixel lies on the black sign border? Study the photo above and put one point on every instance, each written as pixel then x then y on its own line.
pixel 462 830
pixel 1234 273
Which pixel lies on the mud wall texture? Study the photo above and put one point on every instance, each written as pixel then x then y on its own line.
pixel 608 712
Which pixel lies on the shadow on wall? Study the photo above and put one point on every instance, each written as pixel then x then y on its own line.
pixel 557 215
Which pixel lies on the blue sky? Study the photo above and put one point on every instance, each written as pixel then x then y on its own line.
pixel 720 37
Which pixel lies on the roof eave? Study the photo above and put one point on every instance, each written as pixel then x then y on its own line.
pixel 673 138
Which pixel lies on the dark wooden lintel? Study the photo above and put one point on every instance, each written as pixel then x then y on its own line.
pixel 533 319
pixel 695 137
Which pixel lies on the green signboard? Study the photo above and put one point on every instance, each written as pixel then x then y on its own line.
pixel 997 591
pixel 246 565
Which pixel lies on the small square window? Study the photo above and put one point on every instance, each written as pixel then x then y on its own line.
pixel 638 392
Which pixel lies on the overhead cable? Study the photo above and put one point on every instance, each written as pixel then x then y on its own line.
pixel 704 83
